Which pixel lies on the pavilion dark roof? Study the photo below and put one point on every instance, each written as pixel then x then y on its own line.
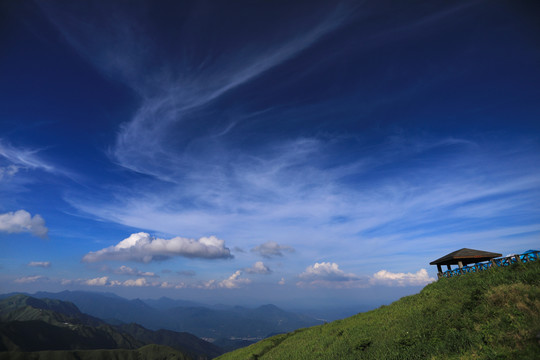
pixel 466 256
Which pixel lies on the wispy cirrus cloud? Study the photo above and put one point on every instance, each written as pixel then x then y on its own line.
pixel 22 166
pixel 176 85
pixel 322 190
pixel 144 248
pixel 21 221
pixel 143 144
pixel 8 171
pixel 369 203
pixel 22 158
pixel 43 264
pixel 30 279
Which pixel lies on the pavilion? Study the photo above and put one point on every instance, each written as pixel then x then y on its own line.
pixel 462 258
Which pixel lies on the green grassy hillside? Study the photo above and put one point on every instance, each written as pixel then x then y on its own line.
pixel 493 314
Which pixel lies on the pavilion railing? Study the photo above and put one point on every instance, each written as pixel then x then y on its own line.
pixel 504 261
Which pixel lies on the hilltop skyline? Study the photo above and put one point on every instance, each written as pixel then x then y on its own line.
pixel 304 153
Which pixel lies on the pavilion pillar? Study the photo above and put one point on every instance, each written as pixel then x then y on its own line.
pixel 449 267
pixel 460 264
pixel 439 268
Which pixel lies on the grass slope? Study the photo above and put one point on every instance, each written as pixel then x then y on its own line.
pixel 493 314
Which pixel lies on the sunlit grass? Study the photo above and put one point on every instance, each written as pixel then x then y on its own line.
pixel 493 314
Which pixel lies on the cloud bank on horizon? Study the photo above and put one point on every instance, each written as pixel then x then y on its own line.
pixel 329 275
pixel 311 137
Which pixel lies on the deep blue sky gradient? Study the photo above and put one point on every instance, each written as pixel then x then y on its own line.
pixel 353 137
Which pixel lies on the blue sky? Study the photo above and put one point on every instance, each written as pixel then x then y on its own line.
pixel 290 152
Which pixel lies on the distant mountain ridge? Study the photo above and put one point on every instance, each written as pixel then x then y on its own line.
pixel 174 339
pixel 108 306
pixel 25 308
pixel 198 319
pixel 165 303
pixel 31 324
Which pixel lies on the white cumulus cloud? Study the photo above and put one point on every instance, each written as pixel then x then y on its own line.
pixel 384 277
pixel 135 282
pixel 106 281
pixel 271 249
pixel 167 285
pixel 234 281
pixel 21 221
pixel 258 268
pixel 43 264
pixel 100 281
pixel 145 248
pixel 327 274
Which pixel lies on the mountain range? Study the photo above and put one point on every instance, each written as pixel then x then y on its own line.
pixel 229 327
pixel 220 322
pixel 29 324
pixel 490 314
